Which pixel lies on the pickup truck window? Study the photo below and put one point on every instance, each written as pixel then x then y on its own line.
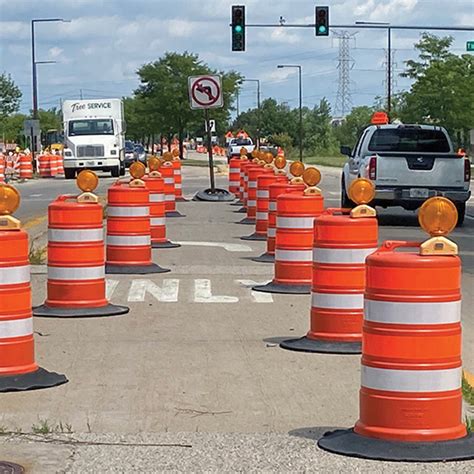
pixel 415 140
pixel 241 142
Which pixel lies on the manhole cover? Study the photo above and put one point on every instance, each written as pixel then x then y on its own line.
pixel 10 468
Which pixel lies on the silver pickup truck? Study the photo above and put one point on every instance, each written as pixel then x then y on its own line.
pixel 408 164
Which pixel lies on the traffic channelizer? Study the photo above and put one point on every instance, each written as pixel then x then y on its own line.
pixel 178 178
pixel 253 174
pixel 128 226
pixel 234 176
pixel 167 172
pixel 294 240
pixel 343 238
pixel 243 190
pixel 410 397
pixel 18 369
pixel 76 260
pixel 155 184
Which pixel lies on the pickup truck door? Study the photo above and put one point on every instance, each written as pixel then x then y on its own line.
pixel 355 158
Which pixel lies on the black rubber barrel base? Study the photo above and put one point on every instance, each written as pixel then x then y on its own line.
pixel 214 195
pixel 247 221
pixel 45 311
pixel 174 214
pixel 40 378
pixel 181 199
pixel 283 289
pixel 264 258
pixel 164 245
pixel 242 210
pixel 348 443
pixel 237 203
pixel 134 269
pixel 305 344
pixel 254 236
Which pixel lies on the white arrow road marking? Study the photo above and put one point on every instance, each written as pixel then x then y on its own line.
pixel 110 287
pixel 227 246
pixel 168 293
pixel 257 296
pixel 203 293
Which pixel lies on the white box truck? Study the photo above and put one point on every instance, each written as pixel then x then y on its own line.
pixel 94 136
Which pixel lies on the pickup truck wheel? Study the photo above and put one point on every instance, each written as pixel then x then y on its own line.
pixel 116 172
pixel 461 207
pixel 122 170
pixel 345 201
pixel 69 173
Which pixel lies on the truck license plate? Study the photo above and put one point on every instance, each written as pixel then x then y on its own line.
pixel 419 193
pixel 90 163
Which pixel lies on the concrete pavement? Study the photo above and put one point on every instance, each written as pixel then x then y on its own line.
pixel 196 362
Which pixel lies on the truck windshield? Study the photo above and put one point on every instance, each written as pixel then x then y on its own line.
pixel 242 141
pixel 91 127
pixel 409 140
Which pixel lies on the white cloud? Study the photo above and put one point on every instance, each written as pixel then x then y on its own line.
pixel 55 52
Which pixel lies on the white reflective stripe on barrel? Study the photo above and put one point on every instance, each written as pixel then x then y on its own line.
pixel 263 194
pixel 178 185
pixel 294 222
pixel 272 206
pixel 169 180
pixel 128 240
pixel 170 197
pixel 252 203
pixel 76 273
pixel 322 255
pixel 391 312
pixel 128 211
pixel 16 328
pixel 177 172
pixel 234 183
pixel 252 184
pixel 157 197
pixel 76 235
pixel 246 194
pixel 262 216
pixel 246 178
pixel 241 189
pixel 14 275
pixel 271 232
pixel 293 255
pixel 157 221
pixel 234 170
pixel 411 380
pixel 337 301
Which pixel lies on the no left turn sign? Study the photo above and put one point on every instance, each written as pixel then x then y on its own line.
pixel 205 92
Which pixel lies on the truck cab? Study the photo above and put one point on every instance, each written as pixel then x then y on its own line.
pixel 94 136
pixel 408 164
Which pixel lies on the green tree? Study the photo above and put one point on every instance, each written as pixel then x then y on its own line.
pixel 11 128
pixel 319 137
pixel 353 125
pixel 50 119
pixel 10 96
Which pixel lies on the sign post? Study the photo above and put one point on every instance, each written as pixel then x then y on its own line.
pixel 205 92
pixel 31 129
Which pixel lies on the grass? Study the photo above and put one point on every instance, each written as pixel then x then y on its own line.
pixel 44 427
pixel 467 391
pixel 37 255
pixel 334 161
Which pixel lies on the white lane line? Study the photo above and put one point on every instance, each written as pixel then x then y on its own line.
pixel 168 293
pixel 110 287
pixel 34 196
pixel 257 297
pixel 203 293
pixel 227 246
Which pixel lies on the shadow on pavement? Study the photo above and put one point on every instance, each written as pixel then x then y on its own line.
pixel 278 339
pixel 314 433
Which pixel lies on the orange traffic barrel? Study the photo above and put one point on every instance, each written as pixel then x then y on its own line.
pixel 44 166
pixel 410 398
pixel 264 180
pixel 53 164
pixel 155 184
pixel 341 244
pixel 167 173
pixel 18 368
pixel 26 167
pixel 128 229
pixel 60 164
pixel 178 180
pixel 253 173
pixel 2 168
pixel 76 260
pixel 242 186
pixel 275 190
pixel 234 176
pixel 294 243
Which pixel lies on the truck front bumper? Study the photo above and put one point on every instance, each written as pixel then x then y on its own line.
pixel 98 163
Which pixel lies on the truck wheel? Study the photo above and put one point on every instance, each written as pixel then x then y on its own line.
pixel 461 207
pixel 116 172
pixel 69 173
pixel 345 201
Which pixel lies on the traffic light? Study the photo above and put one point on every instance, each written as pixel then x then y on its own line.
pixel 322 21
pixel 238 27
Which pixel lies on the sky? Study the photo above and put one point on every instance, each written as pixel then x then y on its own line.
pixel 99 50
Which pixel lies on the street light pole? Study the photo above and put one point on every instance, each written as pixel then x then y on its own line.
pixel 300 89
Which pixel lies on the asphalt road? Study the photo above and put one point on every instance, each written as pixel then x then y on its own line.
pixel 192 379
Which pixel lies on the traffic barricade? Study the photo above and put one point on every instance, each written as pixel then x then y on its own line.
pixel 26 166
pixel 294 239
pixel 178 177
pixel 18 368
pixel 243 183
pixel 167 172
pixel 128 226
pixel 2 168
pixel 156 186
pixel 411 398
pixel 234 176
pixel 76 256
pixel 343 238
pixel 44 165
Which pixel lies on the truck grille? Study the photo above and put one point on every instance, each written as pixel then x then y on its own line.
pixel 90 151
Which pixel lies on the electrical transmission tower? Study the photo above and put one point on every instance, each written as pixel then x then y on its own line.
pixel 345 64
pixel 390 78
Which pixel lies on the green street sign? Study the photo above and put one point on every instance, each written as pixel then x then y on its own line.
pixel 470 46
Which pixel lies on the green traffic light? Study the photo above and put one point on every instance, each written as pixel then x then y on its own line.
pixel 238 29
pixel 322 29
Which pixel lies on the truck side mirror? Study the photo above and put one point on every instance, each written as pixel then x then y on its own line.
pixel 346 150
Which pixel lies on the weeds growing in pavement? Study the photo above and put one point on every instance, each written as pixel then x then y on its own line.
pixel 37 255
pixel 43 427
